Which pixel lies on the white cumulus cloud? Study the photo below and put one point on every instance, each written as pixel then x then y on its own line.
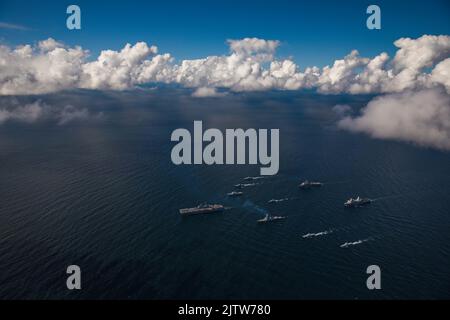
pixel 28 113
pixel 40 111
pixel 342 109
pixel 204 92
pixel 421 117
pixel 251 65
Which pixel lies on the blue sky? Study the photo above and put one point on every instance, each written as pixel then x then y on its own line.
pixel 312 32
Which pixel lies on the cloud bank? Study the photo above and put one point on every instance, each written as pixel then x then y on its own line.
pixel 204 92
pixel 251 65
pixel 40 111
pixel 421 117
pixel 415 82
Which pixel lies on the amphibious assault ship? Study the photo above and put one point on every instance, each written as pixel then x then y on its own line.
pixel 203 208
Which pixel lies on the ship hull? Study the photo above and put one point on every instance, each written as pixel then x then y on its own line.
pixel 196 211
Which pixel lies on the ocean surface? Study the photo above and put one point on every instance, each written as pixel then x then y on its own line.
pixel 105 195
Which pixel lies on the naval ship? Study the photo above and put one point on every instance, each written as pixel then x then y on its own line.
pixel 270 218
pixel 202 209
pixel 252 178
pixel 235 194
pixel 356 202
pixel 308 184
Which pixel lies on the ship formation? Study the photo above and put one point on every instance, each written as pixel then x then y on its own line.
pixel 207 208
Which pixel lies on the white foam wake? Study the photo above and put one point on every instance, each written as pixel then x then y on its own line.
pixel 253 178
pixel 318 234
pixel 354 243
pixel 278 200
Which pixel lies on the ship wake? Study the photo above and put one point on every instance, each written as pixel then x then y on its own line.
pixel 354 243
pixel 317 234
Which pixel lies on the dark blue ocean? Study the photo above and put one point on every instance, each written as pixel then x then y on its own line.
pixel 105 195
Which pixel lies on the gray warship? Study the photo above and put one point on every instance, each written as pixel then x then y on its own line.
pixel 357 202
pixel 203 208
pixel 309 184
